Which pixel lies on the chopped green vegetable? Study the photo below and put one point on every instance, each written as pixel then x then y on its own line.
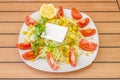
pixel 38 29
pixel 59 51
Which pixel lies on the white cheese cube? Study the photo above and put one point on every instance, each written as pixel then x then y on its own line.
pixel 55 32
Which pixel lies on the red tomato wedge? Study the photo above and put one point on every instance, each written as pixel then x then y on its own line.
pixel 60 12
pixel 83 22
pixel 76 14
pixel 88 32
pixel 52 63
pixel 72 58
pixel 29 55
pixel 87 45
pixel 30 21
pixel 23 46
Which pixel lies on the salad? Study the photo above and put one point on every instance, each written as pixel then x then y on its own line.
pixel 57 53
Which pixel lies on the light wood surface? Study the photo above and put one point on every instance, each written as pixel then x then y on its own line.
pixel 105 14
pixel 101 26
pixel 57 1
pixel 104 55
pixel 96 16
pixel 98 70
pixel 80 6
pixel 105 40
pixel 118 1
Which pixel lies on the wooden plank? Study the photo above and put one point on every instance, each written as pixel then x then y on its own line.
pixel 104 55
pixel 102 27
pixel 96 16
pixel 109 40
pixel 57 1
pixel 108 27
pixel 9 55
pixel 105 40
pixel 96 70
pixel 58 79
pixel 8 40
pixel 10 27
pixel 119 3
pixel 104 16
pixel 80 6
pixel 108 55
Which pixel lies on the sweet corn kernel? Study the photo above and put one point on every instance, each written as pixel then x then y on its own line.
pixel 75 28
pixel 67 61
pixel 87 54
pixel 24 32
pixel 30 26
pixel 70 29
pixel 58 66
pixel 73 32
pixel 64 24
pixel 28 35
pixel 25 40
pixel 91 52
pixel 32 60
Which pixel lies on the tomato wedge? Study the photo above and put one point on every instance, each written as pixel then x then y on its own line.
pixel 30 21
pixel 76 14
pixel 87 46
pixel 82 23
pixel 52 63
pixel 60 12
pixel 29 55
pixel 88 32
pixel 72 58
pixel 23 46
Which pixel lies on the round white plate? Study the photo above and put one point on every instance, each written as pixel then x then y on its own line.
pixel 83 60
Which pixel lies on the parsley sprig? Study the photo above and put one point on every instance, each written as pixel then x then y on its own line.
pixel 39 28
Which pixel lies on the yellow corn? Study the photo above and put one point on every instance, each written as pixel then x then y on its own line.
pixel 64 24
pixel 25 40
pixel 67 61
pixel 30 26
pixel 70 29
pixel 32 60
pixel 58 66
pixel 24 32
pixel 73 32
pixel 91 52
pixel 87 54
pixel 71 36
pixel 75 28
pixel 30 33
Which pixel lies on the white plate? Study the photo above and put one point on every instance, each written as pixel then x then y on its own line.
pixel 42 64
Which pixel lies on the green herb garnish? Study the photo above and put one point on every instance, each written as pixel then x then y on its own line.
pixel 39 28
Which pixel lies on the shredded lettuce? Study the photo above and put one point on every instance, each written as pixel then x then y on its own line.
pixel 59 51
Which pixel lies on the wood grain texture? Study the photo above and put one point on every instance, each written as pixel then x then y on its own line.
pixel 80 6
pixel 10 27
pixel 96 16
pixel 118 3
pixel 104 55
pixel 96 70
pixel 102 27
pixel 57 1
pixel 59 79
pixel 106 15
pixel 108 27
pixel 105 40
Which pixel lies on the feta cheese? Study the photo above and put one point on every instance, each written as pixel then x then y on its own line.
pixel 55 32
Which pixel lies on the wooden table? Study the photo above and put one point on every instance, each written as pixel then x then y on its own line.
pixel 106 15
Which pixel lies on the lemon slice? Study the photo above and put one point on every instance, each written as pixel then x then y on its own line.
pixel 48 11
